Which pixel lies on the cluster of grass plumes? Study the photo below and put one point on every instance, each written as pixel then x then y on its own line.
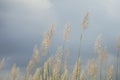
pixel 56 67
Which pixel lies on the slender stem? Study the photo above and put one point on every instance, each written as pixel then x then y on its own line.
pixel 101 71
pixel 117 72
pixel 118 62
pixel 115 67
pixel 77 69
pixel 61 67
pixel 79 53
pixel 63 52
pixel 48 65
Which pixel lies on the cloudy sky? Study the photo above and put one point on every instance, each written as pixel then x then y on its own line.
pixel 23 23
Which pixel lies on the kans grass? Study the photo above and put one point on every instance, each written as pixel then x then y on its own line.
pixel 57 67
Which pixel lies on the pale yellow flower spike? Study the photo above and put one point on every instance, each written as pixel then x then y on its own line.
pixel 98 44
pixel 47 39
pixel 92 69
pixel 37 74
pixel 110 72
pixel 103 56
pixel 2 63
pixel 85 21
pixel 14 72
pixel 82 76
pixel 67 32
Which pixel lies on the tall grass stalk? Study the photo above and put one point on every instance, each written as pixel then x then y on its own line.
pixel 117 66
pixel 117 58
pixel 79 52
pixel 84 27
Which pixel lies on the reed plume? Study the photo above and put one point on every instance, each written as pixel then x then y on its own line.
pixel 85 21
pixel 67 32
pixel 98 44
pixel 59 64
pixel 46 42
pixel 14 72
pixel 2 64
pixel 36 76
pixel 47 39
pixel 110 72
pixel 67 54
pixel 45 72
pixel 19 76
pixel 92 70
pixel 30 77
pixel 117 57
pixel 66 35
pixel 103 56
pixel 33 61
pixel 77 70
pixel 101 52
pixel 66 73
pixel 84 27
pixel 82 76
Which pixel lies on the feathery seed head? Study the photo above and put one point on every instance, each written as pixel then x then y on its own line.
pixel 37 74
pixel 66 73
pixel 67 32
pixel 110 72
pixel 45 43
pixel 36 54
pixel 59 55
pixel 45 69
pixel 2 63
pixel 77 70
pixel 82 76
pixel 14 72
pixel 33 61
pixel 98 44
pixel 85 21
pixel 47 39
pixel 92 68
pixel 67 52
pixel 30 66
pixel 103 56
pixel 52 30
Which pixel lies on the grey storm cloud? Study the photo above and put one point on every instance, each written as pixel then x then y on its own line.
pixel 24 22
